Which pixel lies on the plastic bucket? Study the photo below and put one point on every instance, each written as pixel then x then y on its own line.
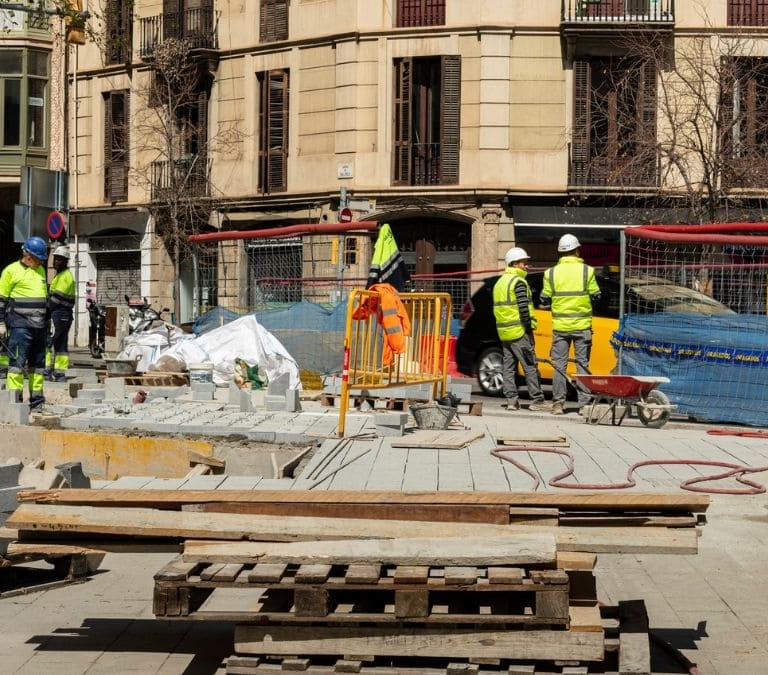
pixel 201 372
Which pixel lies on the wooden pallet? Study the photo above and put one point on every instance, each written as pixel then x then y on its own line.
pixel 396 404
pixel 368 593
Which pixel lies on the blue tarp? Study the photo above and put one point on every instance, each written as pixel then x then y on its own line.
pixel 717 365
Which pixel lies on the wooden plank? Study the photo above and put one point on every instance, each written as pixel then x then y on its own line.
pixel 530 438
pixel 634 645
pixel 505 575
pixel 455 576
pixel 592 501
pixel 267 573
pixel 456 551
pixel 449 440
pixel 497 514
pixel 572 560
pixel 585 619
pixel 312 574
pixel 362 574
pixel 415 641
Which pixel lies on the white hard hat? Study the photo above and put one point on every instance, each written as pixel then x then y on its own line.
pixel 567 243
pixel 61 252
pixel 515 254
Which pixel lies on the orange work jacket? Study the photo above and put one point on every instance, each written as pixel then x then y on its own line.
pixel 391 316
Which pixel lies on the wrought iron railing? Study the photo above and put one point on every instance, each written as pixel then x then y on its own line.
pixel 187 177
pixel 619 11
pixel 196 26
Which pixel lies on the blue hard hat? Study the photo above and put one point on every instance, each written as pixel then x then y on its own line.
pixel 37 247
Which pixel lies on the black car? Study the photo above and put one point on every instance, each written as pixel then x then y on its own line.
pixel 478 349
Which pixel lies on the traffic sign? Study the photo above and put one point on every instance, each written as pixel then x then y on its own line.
pixel 345 215
pixel 56 224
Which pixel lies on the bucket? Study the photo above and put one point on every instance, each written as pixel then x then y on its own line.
pixel 201 372
pixel 433 415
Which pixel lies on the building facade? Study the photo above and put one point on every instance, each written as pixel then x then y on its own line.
pixel 468 127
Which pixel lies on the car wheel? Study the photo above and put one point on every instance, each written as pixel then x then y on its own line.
pixel 490 372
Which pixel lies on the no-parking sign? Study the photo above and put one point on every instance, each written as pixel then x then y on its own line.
pixel 56 224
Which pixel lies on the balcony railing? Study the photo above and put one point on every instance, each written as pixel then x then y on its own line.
pixel 187 178
pixel 619 11
pixel 748 13
pixel 195 26
pixel 638 171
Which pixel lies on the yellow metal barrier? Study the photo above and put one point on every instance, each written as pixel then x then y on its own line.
pixel 394 341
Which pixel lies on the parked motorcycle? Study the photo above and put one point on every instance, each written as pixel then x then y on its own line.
pixel 142 316
pixel 97 314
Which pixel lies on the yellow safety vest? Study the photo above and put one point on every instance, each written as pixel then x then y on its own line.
pixel 505 307
pixel 23 296
pixel 570 284
pixel 62 291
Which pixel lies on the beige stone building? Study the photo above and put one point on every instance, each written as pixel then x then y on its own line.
pixel 468 126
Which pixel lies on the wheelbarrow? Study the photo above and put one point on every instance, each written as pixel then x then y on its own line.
pixel 652 405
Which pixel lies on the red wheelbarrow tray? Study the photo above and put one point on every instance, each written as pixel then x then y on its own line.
pixel 621 386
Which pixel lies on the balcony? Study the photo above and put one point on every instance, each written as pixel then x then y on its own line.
pixel 195 26
pixel 606 173
pixel 618 12
pixel 186 178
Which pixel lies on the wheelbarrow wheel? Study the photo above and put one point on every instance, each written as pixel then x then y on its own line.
pixel 654 418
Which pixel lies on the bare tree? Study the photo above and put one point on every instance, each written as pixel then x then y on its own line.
pixel 175 148
pixel 693 117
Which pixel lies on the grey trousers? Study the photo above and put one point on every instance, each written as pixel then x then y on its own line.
pixel 521 351
pixel 582 348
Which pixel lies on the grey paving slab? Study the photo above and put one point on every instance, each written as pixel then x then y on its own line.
pixel 240 482
pixel 205 482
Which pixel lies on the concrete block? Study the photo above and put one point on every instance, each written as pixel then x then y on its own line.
pixel 258 399
pixel 40 479
pixel 73 475
pixel 203 391
pixel 292 401
pixel 234 394
pixel 17 413
pixel 92 394
pixel 114 388
pixel 274 403
pixel 9 472
pixel 279 385
pixel 390 423
pixel 9 500
pixel 245 400
pixel 463 391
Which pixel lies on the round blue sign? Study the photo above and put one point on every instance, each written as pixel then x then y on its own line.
pixel 56 224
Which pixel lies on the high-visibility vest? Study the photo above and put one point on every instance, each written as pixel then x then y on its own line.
pixel 62 292
pixel 23 296
pixel 570 284
pixel 505 307
pixel 387 264
pixel 392 317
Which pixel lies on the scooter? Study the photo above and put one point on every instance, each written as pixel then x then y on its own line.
pixel 97 314
pixel 141 316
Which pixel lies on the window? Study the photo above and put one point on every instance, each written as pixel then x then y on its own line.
pixel 273 20
pixel 273 131
pixel 745 121
pixel 24 95
pixel 427 120
pixel 190 20
pixel 116 119
pixel 119 19
pixel 747 13
pixel 420 13
pixel 350 251
pixel 614 126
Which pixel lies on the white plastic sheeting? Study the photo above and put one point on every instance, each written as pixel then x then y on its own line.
pixel 244 338
pixel 150 344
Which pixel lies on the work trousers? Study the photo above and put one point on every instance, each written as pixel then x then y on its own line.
pixel 26 352
pixel 57 356
pixel 520 351
pixel 582 349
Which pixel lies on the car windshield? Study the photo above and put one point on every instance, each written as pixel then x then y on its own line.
pixel 655 295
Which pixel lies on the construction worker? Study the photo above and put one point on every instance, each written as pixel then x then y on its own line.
pixel 23 319
pixel 571 288
pixel 61 302
pixel 515 323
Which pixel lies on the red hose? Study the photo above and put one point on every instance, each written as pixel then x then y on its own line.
pixel 736 471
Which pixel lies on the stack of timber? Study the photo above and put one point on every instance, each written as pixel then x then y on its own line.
pixel 597 522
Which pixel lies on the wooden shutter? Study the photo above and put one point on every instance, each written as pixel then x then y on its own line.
pixel 581 122
pixel 450 118
pixel 119 19
pixel 273 130
pixel 420 13
pixel 648 105
pixel 273 20
pixel 116 143
pixel 403 123
pixel 172 19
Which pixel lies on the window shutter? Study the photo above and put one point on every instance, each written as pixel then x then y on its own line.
pixel 116 143
pixel 450 119
pixel 647 128
pixel 273 20
pixel 273 130
pixel 420 13
pixel 581 122
pixel 403 131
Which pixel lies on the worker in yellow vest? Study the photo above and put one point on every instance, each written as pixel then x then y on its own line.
pixel 61 303
pixel 571 288
pixel 23 319
pixel 515 322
